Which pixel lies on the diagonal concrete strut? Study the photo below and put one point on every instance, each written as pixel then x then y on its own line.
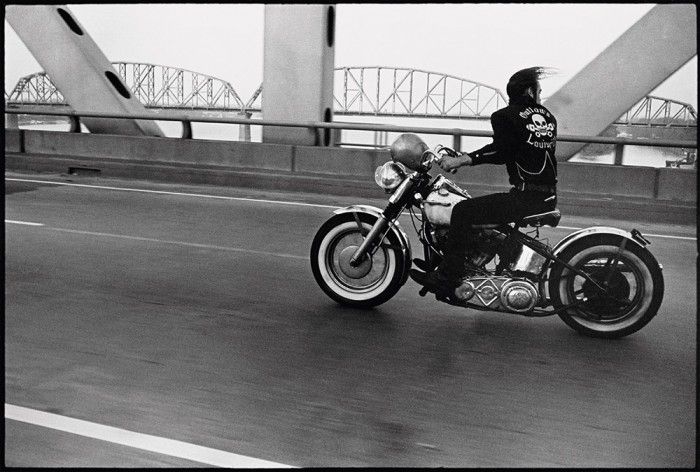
pixel 636 63
pixel 78 68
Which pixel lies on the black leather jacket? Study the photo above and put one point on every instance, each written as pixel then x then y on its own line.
pixel 524 139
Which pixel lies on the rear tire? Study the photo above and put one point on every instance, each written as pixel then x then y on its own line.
pixel 374 281
pixel 635 280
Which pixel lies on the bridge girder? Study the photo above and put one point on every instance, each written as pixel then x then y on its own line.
pixel 399 91
pixel 660 110
pixel 366 90
pixel 170 87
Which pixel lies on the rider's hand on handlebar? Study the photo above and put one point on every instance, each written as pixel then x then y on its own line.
pixel 451 164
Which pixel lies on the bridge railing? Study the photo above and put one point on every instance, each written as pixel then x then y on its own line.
pixel 322 129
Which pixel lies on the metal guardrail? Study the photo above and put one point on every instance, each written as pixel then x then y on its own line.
pixel 456 133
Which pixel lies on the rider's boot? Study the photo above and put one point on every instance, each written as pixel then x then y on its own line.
pixel 452 268
pixel 421 264
pixel 446 277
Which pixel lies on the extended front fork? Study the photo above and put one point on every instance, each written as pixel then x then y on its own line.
pixel 376 235
pixel 372 240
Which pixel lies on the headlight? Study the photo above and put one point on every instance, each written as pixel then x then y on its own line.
pixel 389 175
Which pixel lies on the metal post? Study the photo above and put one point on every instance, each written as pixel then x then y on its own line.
pixel 186 130
pixel 457 142
pixel 244 130
pixel 618 154
pixel 74 124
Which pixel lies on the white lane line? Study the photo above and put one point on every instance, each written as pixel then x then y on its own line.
pixel 146 442
pixel 28 223
pixel 179 243
pixel 279 202
pixel 667 236
pixel 165 192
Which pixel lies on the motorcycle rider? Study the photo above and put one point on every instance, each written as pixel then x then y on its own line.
pixel 524 139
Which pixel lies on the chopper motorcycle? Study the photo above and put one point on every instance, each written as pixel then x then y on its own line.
pixel 601 281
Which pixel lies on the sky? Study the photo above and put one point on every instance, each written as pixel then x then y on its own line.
pixel 480 42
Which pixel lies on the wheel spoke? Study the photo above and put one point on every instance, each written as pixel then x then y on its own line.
pixel 621 301
pixel 610 266
pixel 605 288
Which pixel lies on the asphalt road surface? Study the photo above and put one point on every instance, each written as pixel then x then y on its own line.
pixel 184 316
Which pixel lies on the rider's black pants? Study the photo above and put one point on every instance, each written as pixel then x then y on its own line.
pixel 494 208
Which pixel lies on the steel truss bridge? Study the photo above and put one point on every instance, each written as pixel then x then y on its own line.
pixel 376 90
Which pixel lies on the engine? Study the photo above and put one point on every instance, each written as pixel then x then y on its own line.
pixel 481 247
pixel 517 295
pixel 515 289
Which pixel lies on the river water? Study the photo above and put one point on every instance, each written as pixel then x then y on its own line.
pixel 632 155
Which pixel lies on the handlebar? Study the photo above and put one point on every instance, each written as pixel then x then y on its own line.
pixel 435 156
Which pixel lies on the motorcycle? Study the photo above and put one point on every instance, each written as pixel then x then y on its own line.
pixel 601 281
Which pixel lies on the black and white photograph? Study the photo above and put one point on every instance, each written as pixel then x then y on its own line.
pixel 334 235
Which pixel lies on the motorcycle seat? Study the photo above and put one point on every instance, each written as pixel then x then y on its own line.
pixel 550 218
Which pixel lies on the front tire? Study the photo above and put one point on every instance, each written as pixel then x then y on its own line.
pixel 374 281
pixel 632 276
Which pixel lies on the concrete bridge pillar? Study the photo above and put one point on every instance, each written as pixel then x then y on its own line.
pixel 299 56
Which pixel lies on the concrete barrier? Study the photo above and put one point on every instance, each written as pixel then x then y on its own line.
pixel 150 149
pixel 677 184
pixel 13 140
pixel 604 179
pixel 586 188
pixel 337 161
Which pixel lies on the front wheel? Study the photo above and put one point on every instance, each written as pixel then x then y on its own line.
pixel 632 277
pixel 371 283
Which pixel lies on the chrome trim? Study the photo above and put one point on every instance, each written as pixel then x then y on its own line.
pixel 444 182
pixel 514 285
pixel 401 189
pixel 528 260
pixel 576 235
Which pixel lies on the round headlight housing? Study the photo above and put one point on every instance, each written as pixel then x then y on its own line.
pixel 389 175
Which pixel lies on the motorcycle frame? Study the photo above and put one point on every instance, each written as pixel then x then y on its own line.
pixel 550 255
pixel 416 187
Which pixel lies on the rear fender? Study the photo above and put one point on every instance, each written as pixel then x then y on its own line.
pixel 589 232
pixel 394 227
pixel 594 230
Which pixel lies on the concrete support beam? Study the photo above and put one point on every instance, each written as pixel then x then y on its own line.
pixel 636 63
pixel 78 68
pixel 298 71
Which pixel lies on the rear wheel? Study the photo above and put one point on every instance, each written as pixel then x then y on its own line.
pixel 374 281
pixel 632 277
